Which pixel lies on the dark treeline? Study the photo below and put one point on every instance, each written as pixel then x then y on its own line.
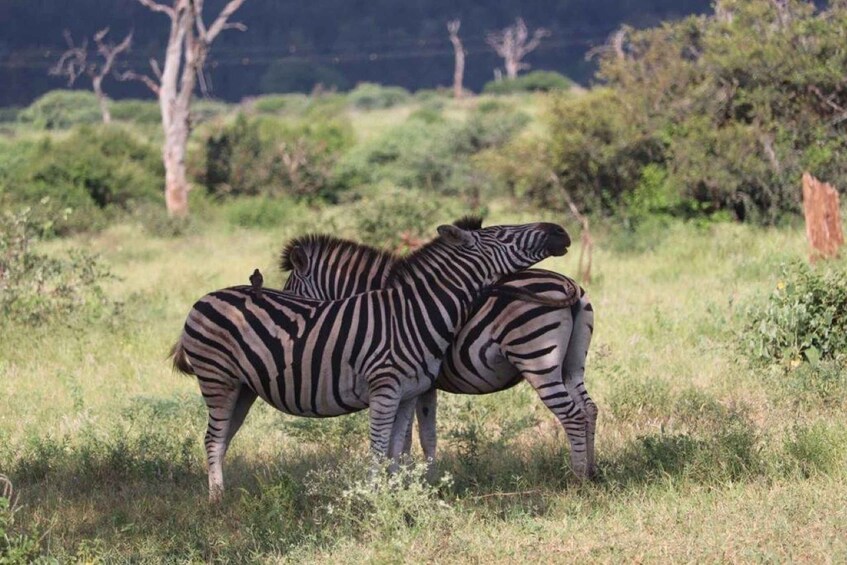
pixel 290 46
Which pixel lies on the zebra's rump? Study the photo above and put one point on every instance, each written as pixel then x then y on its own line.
pixel 505 335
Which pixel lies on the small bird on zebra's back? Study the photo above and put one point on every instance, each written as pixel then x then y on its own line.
pixel 376 350
pixel 256 281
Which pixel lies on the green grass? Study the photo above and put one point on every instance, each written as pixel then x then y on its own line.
pixel 702 457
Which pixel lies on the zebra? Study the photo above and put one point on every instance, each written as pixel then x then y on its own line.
pixel 508 337
pixel 376 350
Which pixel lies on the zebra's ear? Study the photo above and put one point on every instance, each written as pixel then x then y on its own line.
pixel 299 259
pixel 457 237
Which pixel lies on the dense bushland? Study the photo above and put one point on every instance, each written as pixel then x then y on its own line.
pixel 731 110
pixel 89 175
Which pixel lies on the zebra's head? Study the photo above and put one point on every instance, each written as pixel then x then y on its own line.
pixel 505 249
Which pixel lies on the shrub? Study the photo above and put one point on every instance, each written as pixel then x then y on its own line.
pixel 36 288
pixel 818 448
pixel 536 81
pixel 300 76
pixel 433 155
pixel 262 212
pixel 95 172
pixel 370 96
pixel 136 111
pixel 266 156
pixel 397 217
pixel 598 151
pixel 805 317
pixel 9 114
pixel 15 548
pixel 382 507
pixel 281 103
pixel 59 109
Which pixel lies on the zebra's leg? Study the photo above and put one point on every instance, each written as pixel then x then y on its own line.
pixel 407 442
pixel 384 393
pixel 427 406
pixel 221 400
pixel 246 398
pixel 400 431
pixel 544 373
pixel 574 372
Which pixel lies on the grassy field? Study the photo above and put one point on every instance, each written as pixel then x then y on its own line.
pixel 702 456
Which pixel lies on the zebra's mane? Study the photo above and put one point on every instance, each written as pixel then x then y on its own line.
pixel 322 244
pixel 469 222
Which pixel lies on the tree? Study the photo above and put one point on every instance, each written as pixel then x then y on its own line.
pixel 459 67
pixel 513 44
pixel 74 62
pixel 188 46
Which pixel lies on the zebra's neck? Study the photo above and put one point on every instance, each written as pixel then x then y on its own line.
pixel 438 286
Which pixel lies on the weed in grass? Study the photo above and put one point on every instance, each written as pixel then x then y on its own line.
pixel 816 448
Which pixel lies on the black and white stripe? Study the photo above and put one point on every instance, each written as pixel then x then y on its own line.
pixel 380 349
pixel 507 338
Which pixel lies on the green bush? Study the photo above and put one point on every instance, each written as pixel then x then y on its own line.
pixel 385 221
pixel 370 96
pixel 262 212
pixel 817 448
pixel 281 103
pixel 804 318
pixel 59 109
pixel 300 76
pixel 272 157
pixel 597 150
pixel 136 111
pixel 536 81
pixel 96 171
pixel 16 547
pixel 36 288
pixel 9 114
pixel 433 154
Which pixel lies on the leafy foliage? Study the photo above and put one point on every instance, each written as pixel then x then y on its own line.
pixel 35 287
pixel 15 547
pixel 805 316
pixel 735 109
pixel 263 155
pixel 429 153
pixel 95 171
pixel 59 109
pixel 370 96
pixel 535 81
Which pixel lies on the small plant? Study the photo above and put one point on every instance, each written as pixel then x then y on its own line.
pixel 380 506
pixel 35 287
pixel 15 546
pixel 803 319
pixel 370 96
pixel 536 81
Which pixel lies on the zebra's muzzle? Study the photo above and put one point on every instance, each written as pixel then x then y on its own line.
pixel 558 239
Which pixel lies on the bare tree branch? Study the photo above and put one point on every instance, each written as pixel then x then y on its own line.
pixel 459 57
pixel 156 7
pixel 220 23
pixel 132 75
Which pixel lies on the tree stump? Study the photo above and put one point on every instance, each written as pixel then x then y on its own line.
pixel 823 218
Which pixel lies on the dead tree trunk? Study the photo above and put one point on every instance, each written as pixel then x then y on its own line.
pixel 459 51
pixel 74 62
pixel 513 44
pixel 823 218
pixel 188 45
pixel 586 247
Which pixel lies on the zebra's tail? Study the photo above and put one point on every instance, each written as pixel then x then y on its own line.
pixel 180 359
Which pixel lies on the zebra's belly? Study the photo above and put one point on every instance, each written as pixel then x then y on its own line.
pixel 327 392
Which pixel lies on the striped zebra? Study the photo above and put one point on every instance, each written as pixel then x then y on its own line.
pixel 319 358
pixel 507 338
